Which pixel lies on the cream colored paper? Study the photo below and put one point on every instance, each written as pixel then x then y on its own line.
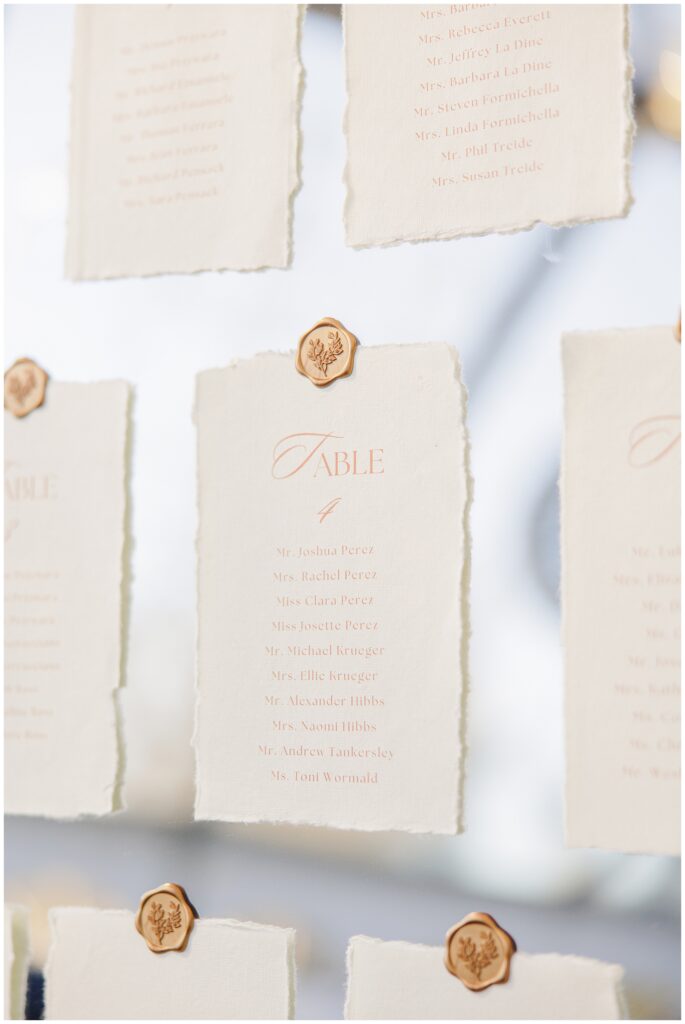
pixel 65 528
pixel 621 589
pixel 100 968
pixel 472 118
pixel 17 956
pixel 331 661
pixel 401 981
pixel 184 138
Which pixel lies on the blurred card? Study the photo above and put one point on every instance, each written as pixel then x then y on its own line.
pixel 401 981
pixel 473 118
pixel 17 955
pixel 65 529
pixel 184 138
pixel 621 589
pixel 332 584
pixel 99 968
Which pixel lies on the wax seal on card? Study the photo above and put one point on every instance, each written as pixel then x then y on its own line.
pixel 326 352
pixel 25 384
pixel 165 918
pixel 478 952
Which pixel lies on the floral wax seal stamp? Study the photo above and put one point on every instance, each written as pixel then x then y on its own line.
pixel 25 384
pixel 165 918
pixel 326 352
pixel 478 952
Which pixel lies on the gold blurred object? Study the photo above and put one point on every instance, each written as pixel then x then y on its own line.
pixel 25 384
pixel 326 352
pixel 663 101
pixel 479 952
pixel 165 918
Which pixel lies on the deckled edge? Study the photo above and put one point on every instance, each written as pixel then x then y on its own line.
pixel 616 969
pixel 117 802
pixel 346 176
pixel 295 168
pixel 458 826
pixel 465 632
pixel 451 234
pixel 125 586
pixel 562 578
pixel 243 819
pixel 197 690
pixel 21 957
pixel 349 957
pixel 291 969
pixel 202 922
pixel 622 1003
pixel 630 126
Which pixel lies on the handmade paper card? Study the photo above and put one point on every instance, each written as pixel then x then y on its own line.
pixel 401 981
pixel 620 491
pixel 65 526
pixel 184 138
pixel 99 967
pixel 17 954
pixel 332 549
pixel 472 118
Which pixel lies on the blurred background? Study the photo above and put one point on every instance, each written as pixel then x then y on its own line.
pixel 503 302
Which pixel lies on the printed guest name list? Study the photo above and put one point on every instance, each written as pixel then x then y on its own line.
pixel 480 68
pixel 330 594
pixel 470 118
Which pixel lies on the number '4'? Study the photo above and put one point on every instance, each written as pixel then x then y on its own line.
pixel 327 509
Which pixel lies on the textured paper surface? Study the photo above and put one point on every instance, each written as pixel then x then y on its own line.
pixel 65 527
pixel 401 981
pixel 100 968
pixel 17 955
pixel 471 118
pixel 184 138
pixel 330 675
pixel 621 589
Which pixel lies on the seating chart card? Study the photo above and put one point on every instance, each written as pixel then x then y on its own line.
pixel 17 955
pixel 65 528
pixel 472 118
pixel 99 967
pixel 184 138
pixel 621 589
pixel 401 981
pixel 332 555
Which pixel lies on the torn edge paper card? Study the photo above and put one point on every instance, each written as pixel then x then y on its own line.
pixel 620 515
pixel 66 476
pixel 99 967
pixel 333 562
pixel 17 958
pixel 402 981
pixel 470 119
pixel 184 138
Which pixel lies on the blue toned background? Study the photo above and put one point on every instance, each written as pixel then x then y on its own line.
pixel 503 302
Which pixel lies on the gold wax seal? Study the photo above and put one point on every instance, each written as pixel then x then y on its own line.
pixel 165 918
pixel 478 952
pixel 25 384
pixel 326 352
